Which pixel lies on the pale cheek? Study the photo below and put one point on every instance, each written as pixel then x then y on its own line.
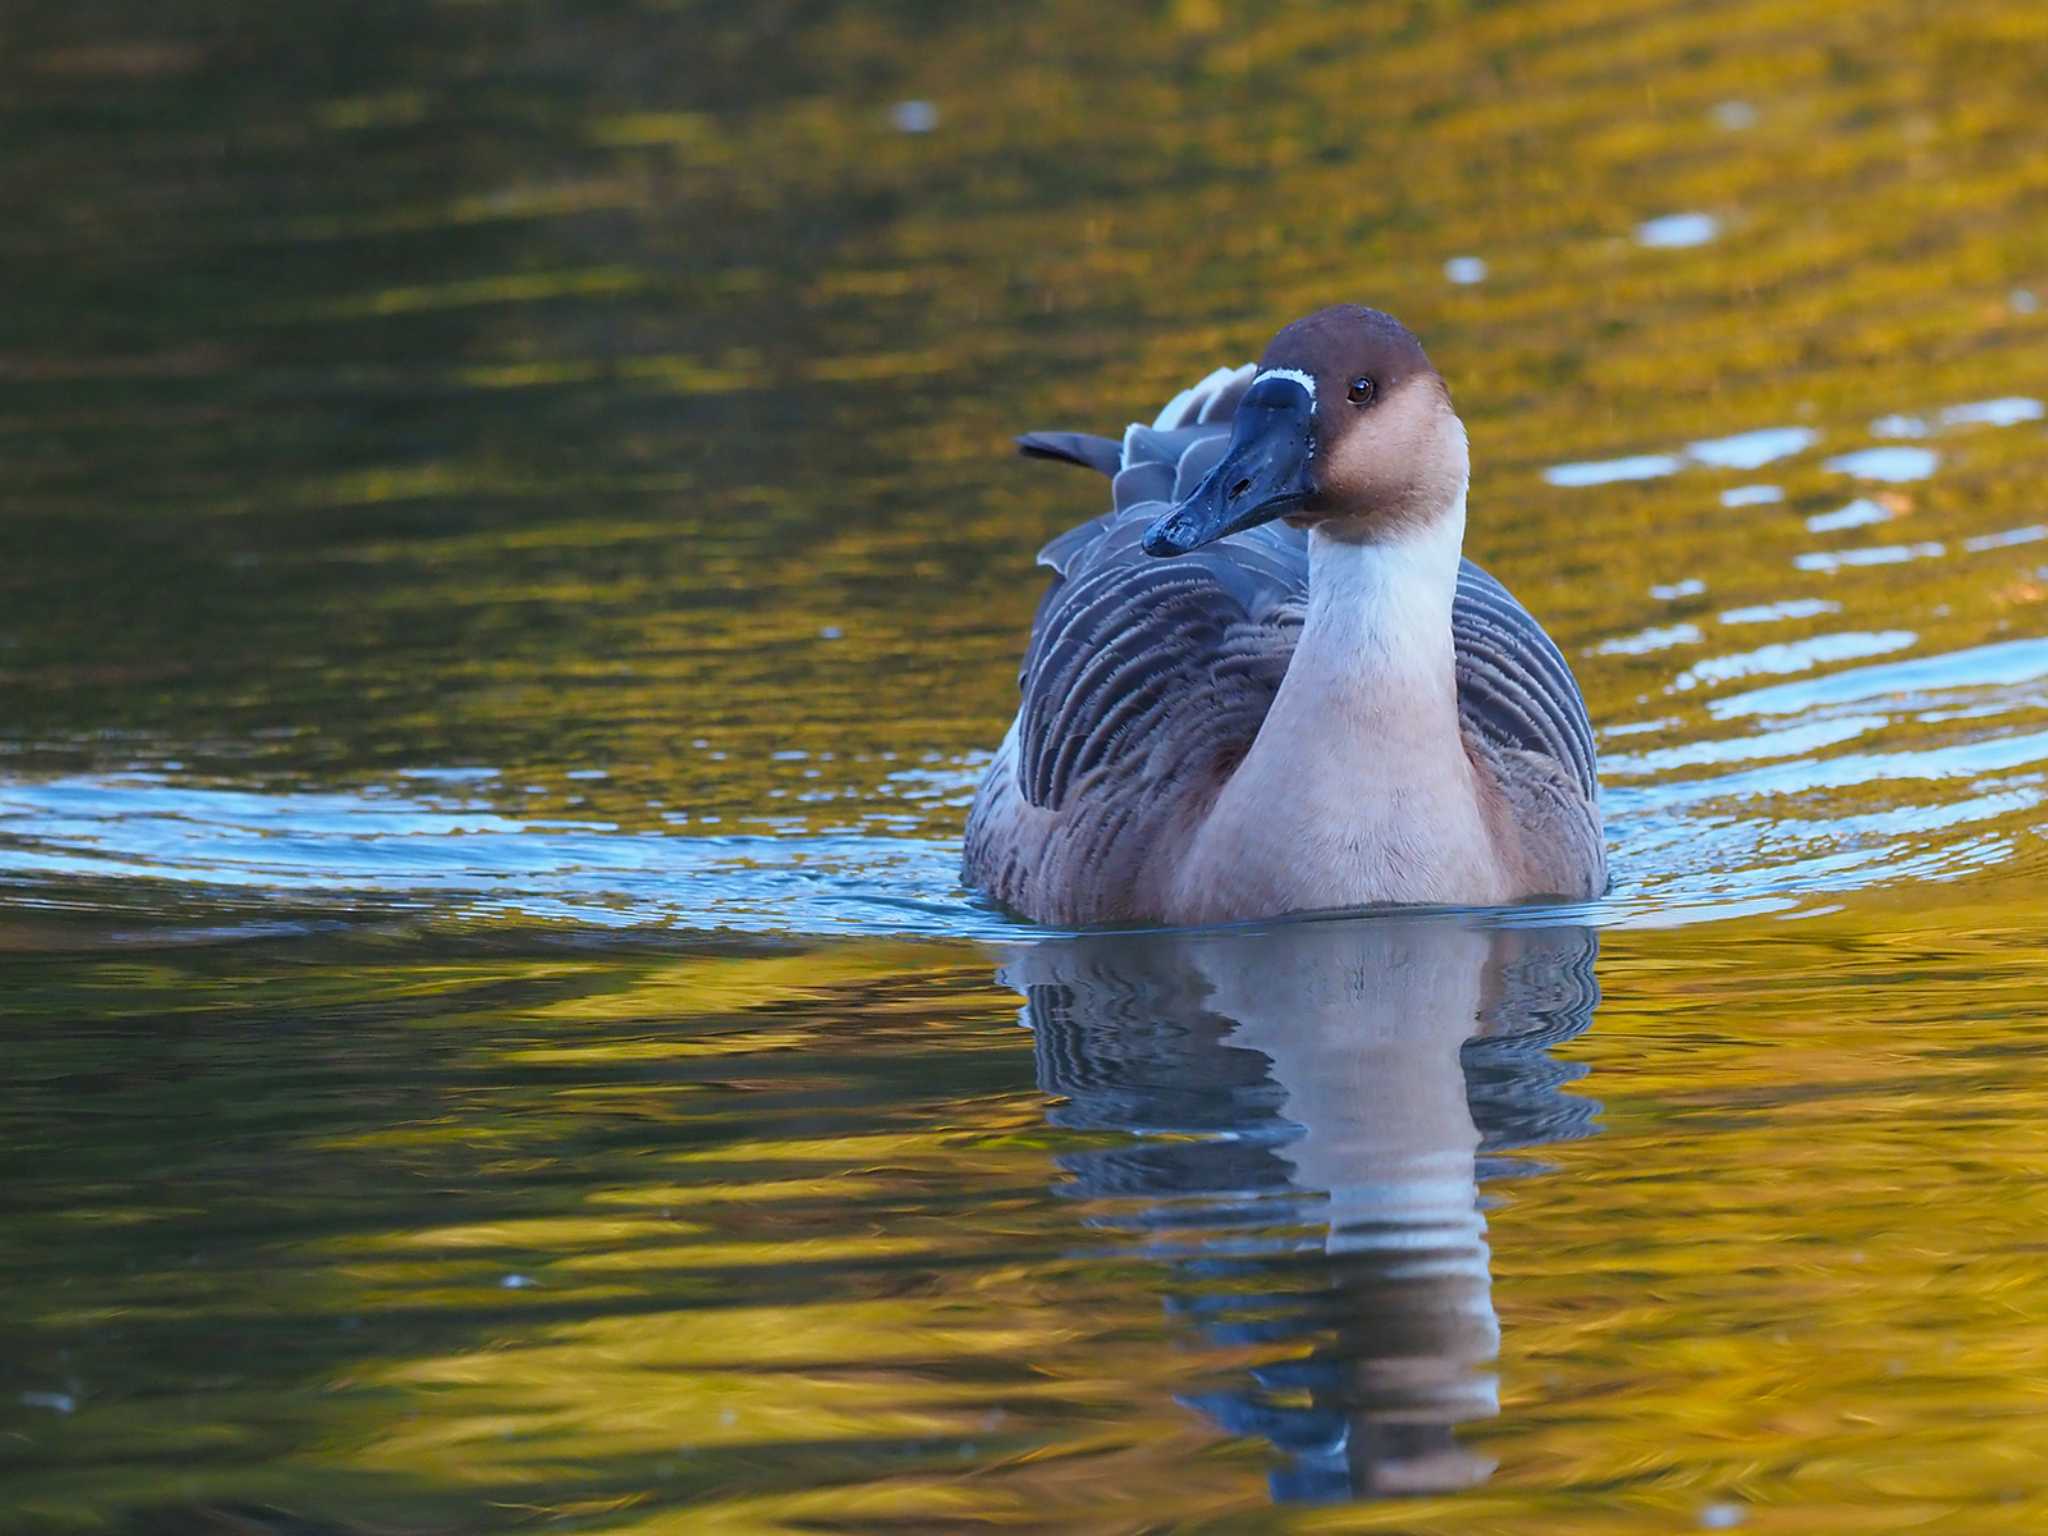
pixel 1353 473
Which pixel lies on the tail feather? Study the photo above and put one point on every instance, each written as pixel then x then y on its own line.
pixel 1104 455
pixel 1205 404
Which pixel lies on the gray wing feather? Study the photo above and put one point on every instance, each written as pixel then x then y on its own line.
pixel 1514 687
pixel 1201 456
pixel 1141 484
pixel 1125 642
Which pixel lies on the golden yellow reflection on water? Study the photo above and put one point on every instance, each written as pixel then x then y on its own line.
pixel 1797 1270
pixel 539 497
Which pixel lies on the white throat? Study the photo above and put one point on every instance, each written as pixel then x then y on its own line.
pixel 1378 631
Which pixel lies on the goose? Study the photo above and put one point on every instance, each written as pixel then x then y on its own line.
pixel 1267 681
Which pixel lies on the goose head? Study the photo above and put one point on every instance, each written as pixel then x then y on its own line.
pixel 1346 427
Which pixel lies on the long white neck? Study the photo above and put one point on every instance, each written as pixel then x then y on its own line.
pixel 1359 788
pixel 1376 645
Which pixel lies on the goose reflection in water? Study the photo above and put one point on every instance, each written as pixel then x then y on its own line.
pixel 1309 1110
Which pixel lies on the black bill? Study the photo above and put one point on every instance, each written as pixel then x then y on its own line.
pixel 1264 473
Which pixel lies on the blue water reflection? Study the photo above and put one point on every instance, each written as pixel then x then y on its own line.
pixel 1307 1114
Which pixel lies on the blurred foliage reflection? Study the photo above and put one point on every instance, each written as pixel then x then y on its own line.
pixel 495 498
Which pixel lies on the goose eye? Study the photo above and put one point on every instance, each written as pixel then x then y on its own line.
pixel 1361 391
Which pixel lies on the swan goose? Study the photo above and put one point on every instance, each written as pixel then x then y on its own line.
pixel 1267 681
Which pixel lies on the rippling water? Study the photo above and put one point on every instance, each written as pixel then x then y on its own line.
pixel 509 564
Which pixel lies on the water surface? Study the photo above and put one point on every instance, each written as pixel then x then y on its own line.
pixel 509 567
